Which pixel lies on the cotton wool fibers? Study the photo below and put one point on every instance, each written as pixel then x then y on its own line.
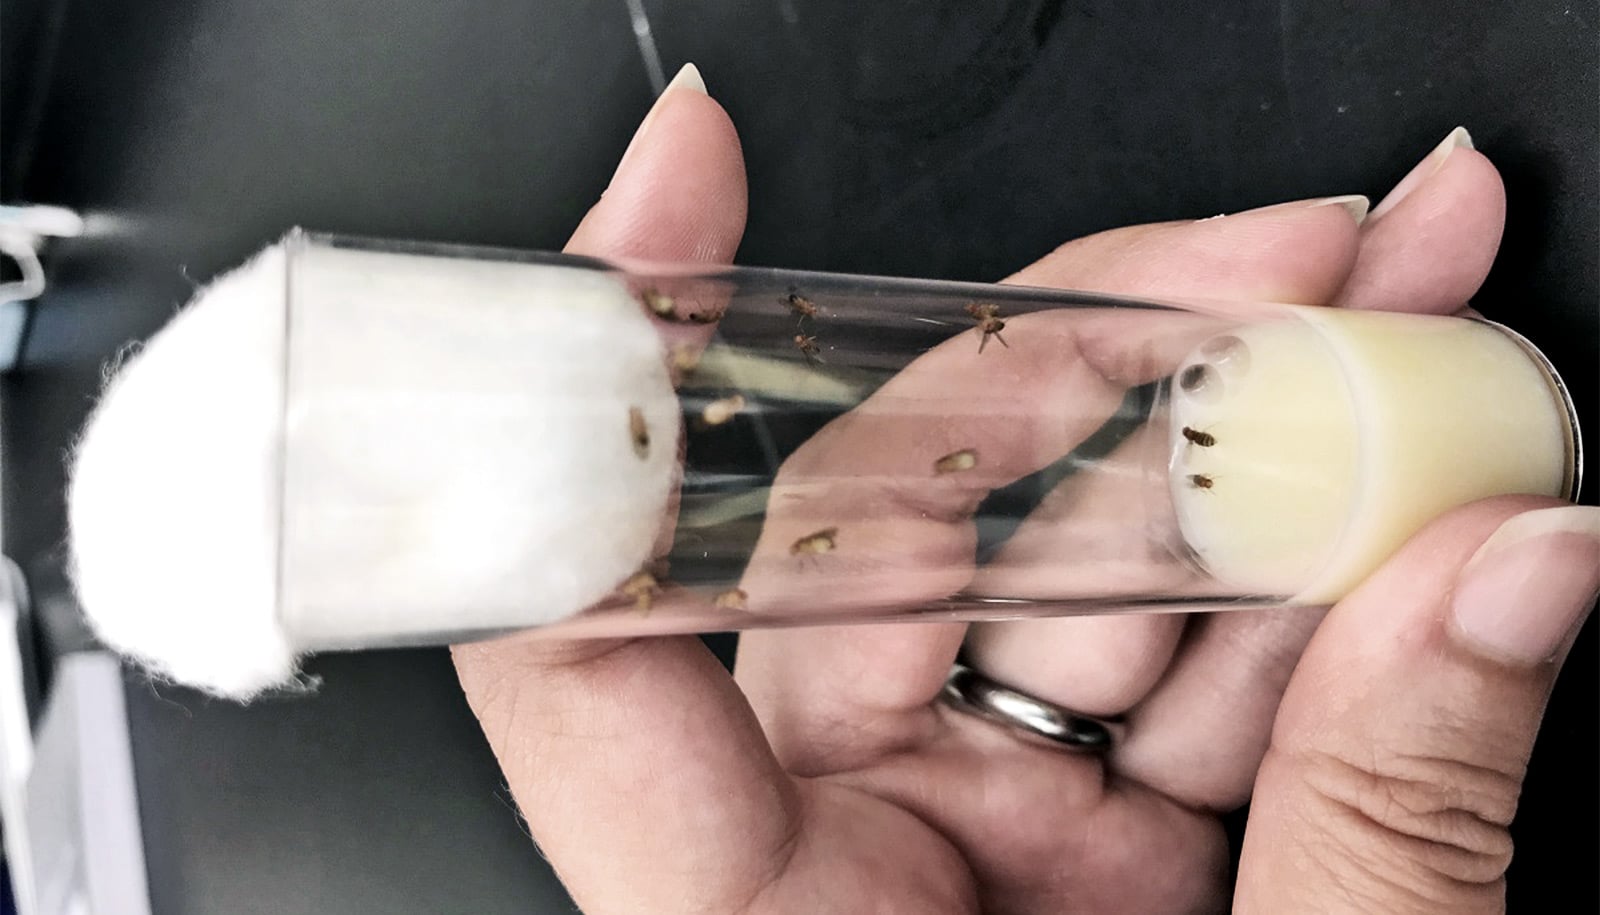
pixel 435 446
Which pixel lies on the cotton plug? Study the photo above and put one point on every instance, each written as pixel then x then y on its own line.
pixel 343 448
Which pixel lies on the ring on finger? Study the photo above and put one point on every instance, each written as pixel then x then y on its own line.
pixel 969 691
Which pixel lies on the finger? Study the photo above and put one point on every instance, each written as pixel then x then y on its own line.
pixel 903 532
pixel 832 698
pixel 1298 252
pixel 1063 374
pixel 641 758
pixel 1081 541
pixel 1098 664
pixel 799 692
pixel 679 192
pixel 903 535
pixel 1104 665
pixel 1424 249
pixel 673 205
pixel 1199 734
pixel 1046 831
pixel 1429 244
pixel 1065 371
pixel 1400 747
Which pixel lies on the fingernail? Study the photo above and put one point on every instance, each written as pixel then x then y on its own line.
pixel 687 80
pixel 1522 595
pixel 1355 204
pixel 1423 170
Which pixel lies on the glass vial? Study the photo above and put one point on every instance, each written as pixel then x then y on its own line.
pixel 477 441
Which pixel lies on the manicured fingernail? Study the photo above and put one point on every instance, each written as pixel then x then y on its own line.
pixel 1355 204
pixel 1423 170
pixel 1522 595
pixel 687 80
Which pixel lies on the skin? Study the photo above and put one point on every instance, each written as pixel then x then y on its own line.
pixel 825 778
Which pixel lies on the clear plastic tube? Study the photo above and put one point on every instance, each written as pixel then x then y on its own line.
pixel 853 448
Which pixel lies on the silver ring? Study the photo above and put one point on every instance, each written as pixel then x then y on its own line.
pixel 969 691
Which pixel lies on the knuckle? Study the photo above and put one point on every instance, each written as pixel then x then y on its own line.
pixel 1430 825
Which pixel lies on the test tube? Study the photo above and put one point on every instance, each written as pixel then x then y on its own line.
pixel 764 447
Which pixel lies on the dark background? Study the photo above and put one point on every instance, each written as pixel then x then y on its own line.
pixel 947 140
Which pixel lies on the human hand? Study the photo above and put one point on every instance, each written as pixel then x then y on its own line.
pixel 653 783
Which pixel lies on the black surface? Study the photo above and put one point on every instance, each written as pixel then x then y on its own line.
pixel 376 796
pixel 946 140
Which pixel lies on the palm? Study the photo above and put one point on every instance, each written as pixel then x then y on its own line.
pixel 932 812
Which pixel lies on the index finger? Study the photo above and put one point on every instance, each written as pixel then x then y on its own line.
pixel 641 758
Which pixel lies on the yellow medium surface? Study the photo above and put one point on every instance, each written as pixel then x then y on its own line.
pixel 1339 434
pixel 1263 502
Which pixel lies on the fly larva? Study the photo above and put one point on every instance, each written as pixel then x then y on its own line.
pixel 1203 439
pixel 732 599
pixel 1201 481
pixel 640 431
pixel 815 544
pixel 956 461
pixel 685 358
pixel 643 588
pixel 659 302
pixel 808 346
pixel 720 411
pixel 800 305
pixel 987 314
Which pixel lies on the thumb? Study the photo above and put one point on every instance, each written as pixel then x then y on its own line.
pixel 1400 746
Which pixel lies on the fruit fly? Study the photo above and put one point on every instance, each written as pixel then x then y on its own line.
pixel 720 411
pixel 643 588
pixel 987 314
pixel 640 431
pixel 956 461
pixel 815 544
pixel 1203 439
pixel 800 305
pixel 807 345
pixel 1201 481
pixel 659 302
pixel 732 599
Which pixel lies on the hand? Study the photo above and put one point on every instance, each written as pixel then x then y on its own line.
pixel 1384 760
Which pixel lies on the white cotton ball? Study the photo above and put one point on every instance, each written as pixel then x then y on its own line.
pixel 173 500
pixel 459 459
